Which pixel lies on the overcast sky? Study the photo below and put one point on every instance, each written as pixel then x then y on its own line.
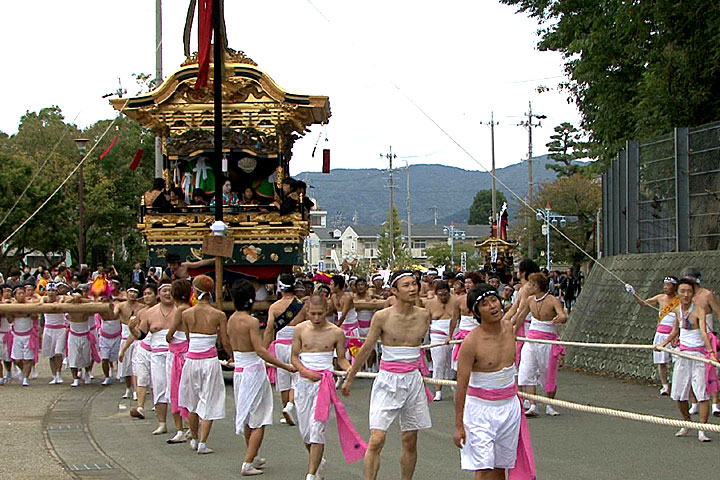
pixel 458 60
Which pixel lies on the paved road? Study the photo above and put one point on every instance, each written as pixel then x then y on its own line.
pixel 572 446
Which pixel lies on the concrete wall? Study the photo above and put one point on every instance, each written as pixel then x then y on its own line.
pixel 606 313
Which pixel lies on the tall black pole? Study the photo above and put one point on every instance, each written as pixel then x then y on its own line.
pixel 218 64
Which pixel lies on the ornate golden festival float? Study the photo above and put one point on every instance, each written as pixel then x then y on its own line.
pixel 497 250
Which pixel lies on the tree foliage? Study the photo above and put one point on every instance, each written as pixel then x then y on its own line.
pixel 45 144
pixel 565 148
pixel 481 208
pixel 636 69
pixel 440 255
pixel 402 257
pixel 578 198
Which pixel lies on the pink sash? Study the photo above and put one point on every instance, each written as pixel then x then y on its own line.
pixel 34 343
pixel 352 444
pixel 525 462
pixel 399 366
pixel 145 346
pixel 555 352
pixel 110 335
pixel 93 343
pixel 54 327
pixel 209 353
pixel 711 377
pixel 438 332
pixel 460 335
pixel 351 331
pixel 664 329
pixel 7 338
pixel 271 370
pixel 179 350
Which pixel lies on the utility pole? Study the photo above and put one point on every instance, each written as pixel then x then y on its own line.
pixel 434 208
pixel 158 81
pixel 390 156
pixel 492 124
pixel 529 124
pixel 409 235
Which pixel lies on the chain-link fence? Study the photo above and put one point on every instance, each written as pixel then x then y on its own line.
pixel 663 195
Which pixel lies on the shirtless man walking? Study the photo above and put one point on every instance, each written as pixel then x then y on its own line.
pixel 526 268
pixel 124 312
pixel 314 344
pixel 202 389
pixel 156 322
pixel 399 389
pixel 82 348
pixel 283 316
pixel 445 313
pixel 253 394
pixel 343 303
pixel 25 345
pixel 539 361
pixel 142 352
pixel 490 428
pixel 691 375
pixel 54 334
pixel 668 302
pixel 467 321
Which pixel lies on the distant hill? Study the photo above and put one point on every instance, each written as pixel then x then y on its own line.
pixel 363 192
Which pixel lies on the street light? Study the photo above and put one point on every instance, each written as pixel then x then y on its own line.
pixel 547 217
pixel 82 149
pixel 453 234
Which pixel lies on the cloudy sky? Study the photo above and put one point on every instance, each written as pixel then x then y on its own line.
pixel 379 62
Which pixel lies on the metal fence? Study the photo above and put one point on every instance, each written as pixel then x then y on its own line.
pixel 663 195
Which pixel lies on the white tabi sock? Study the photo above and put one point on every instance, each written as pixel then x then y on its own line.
pixel 310 476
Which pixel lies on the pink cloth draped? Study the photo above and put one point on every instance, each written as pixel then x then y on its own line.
pixel 351 331
pixel 362 323
pixel 54 327
pixel 209 353
pixel 525 462
pixel 179 350
pixel 7 338
pixel 110 335
pixel 711 377
pixel 399 366
pixel 352 444
pixel 460 335
pixel 438 332
pixel 271 370
pixel 93 344
pixel 98 322
pixel 34 343
pixel 145 346
pixel 555 352
pixel 664 329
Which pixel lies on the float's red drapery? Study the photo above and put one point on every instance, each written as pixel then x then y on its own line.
pixel 205 31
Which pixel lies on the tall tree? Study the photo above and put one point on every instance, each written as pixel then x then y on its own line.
pixel 566 146
pixel 440 255
pixel 636 69
pixel 401 257
pixel 481 208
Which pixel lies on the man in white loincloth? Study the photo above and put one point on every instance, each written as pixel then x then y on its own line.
pixel 110 342
pixel 667 302
pixel 467 321
pixel 399 389
pixel 445 313
pixel 490 428
pixel 6 339
pixel 141 360
pixel 690 375
pixel 54 334
pixel 26 341
pixel 202 389
pixel 253 394
pixel 82 348
pixel 124 312
pixel 314 344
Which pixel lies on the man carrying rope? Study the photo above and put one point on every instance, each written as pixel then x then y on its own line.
pixel 668 302
pixel 398 389
pixel 690 375
pixel 490 428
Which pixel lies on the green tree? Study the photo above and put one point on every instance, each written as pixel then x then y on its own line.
pixel 566 146
pixel 439 255
pixel 385 247
pixel 636 69
pixel 481 208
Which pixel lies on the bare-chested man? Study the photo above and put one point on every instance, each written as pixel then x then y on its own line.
pixel 141 363
pixel 467 322
pixel 399 389
pixel 364 315
pixel 156 322
pixel 378 290
pixel 6 339
pixel 110 342
pixel 667 302
pixel 202 389
pixel 490 428
pixel 54 334
pixel 253 394
pixel 124 312
pixel 82 342
pixel 539 362
pixel 314 344
pixel 706 299
pixel 525 269
pixel 690 375
pixel 25 347
pixel 177 269
pixel 343 303
pixel 283 316
pixel 445 313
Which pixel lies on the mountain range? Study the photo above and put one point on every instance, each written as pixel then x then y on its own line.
pixel 361 196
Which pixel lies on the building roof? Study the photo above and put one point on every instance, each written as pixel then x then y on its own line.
pixel 325 233
pixel 420 231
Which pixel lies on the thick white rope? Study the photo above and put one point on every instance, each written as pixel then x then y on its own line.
pixel 609 412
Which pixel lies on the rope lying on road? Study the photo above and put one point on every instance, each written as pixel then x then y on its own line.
pixel 609 412
pixel 635 346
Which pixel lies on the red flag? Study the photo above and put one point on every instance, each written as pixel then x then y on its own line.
pixel 136 159
pixel 326 160
pixel 107 150
pixel 205 29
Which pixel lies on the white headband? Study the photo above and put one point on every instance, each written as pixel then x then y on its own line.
pixel 670 280
pixel 164 285
pixel 402 275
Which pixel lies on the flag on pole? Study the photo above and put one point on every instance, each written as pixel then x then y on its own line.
pixel 110 147
pixel 136 159
pixel 205 30
pixel 326 160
